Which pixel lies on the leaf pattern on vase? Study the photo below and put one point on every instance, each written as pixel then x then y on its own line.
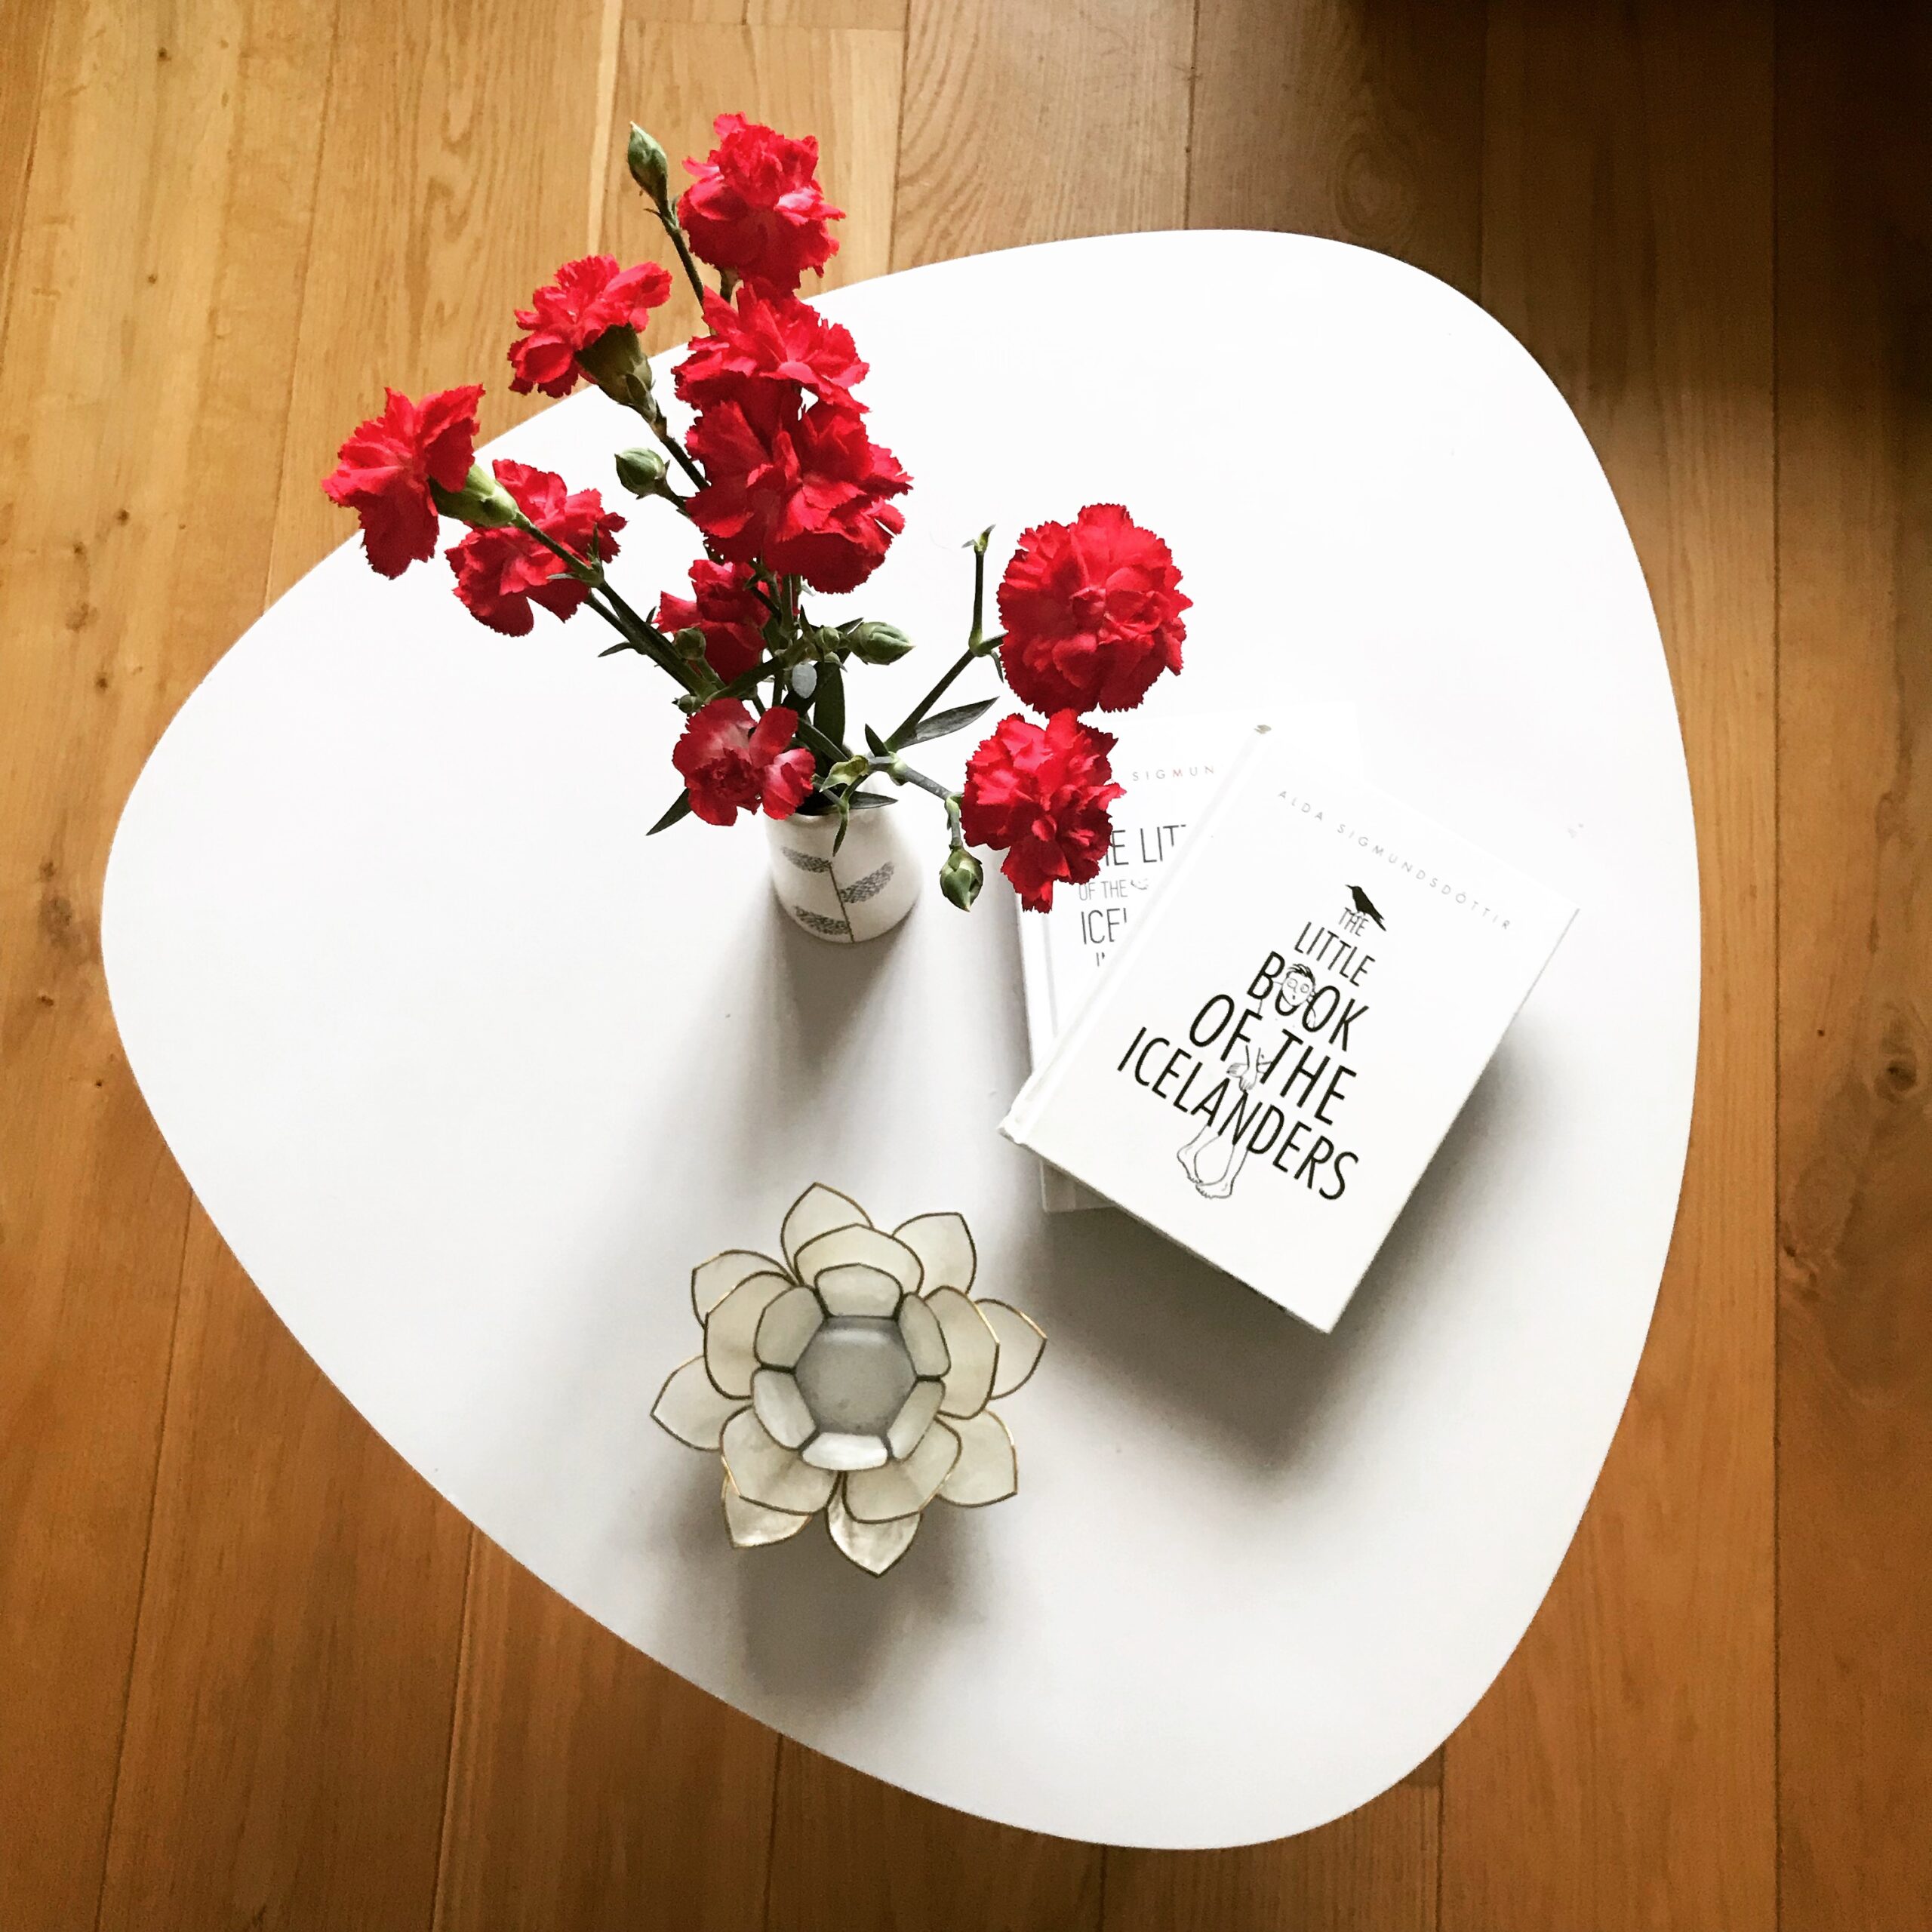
pixel 818 922
pixel 868 887
pixel 805 861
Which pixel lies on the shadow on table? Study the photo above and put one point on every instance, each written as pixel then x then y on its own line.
pixel 1221 1364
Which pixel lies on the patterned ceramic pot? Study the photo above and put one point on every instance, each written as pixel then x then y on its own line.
pixel 862 890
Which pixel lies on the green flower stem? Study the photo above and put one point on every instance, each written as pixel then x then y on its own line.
pixel 978 644
pixel 677 241
pixel 654 418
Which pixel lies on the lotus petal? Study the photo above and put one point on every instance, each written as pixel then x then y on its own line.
pixel 841 1247
pixel 944 1243
pixel 1020 1343
pixel 690 1407
pixel 764 1471
pixel 781 1408
pixel 752 1523
pixel 873 1547
pixel 987 1470
pixel 711 1280
pixel 730 1335
pixel 925 1341
pixel 913 1421
pixel 815 1212
pixel 854 1287
pixel 900 1489
pixel 787 1324
pixel 832 1450
pixel 975 1352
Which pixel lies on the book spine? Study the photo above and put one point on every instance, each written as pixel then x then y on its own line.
pixel 1028 1102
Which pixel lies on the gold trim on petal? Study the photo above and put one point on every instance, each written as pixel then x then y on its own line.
pixel 871 1247
pixel 1022 1342
pixel 974 1349
pixel 690 1408
pixel 874 1547
pixel 801 1224
pixel 711 1280
pixel 987 1470
pixel 764 1471
pixel 945 1247
pixel 730 1336
pixel 751 1525
pixel 903 1489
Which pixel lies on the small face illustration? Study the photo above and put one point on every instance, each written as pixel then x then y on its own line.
pixel 1297 982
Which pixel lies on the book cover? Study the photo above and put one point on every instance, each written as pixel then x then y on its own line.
pixel 1170 766
pixel 1274 1053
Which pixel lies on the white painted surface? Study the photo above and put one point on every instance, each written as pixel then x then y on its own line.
pixel 469 1074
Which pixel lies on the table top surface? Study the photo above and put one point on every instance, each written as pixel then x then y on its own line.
pixel 469 1074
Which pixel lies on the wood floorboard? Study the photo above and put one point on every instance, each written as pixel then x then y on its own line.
pixel 1620 1774
pixel 1855 947
pixel 252 1672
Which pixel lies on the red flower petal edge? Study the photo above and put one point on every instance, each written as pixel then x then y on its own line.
pixel 754 208
pixel 1040 793
pixel 499 574
pixel 587 299
pixel 1092 610
pixel 388 464
pixel 729 765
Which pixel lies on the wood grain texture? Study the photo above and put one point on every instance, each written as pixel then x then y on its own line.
pixel 285 1754
pixel 1855 1008
pixel 1620 1772
pixel 1026 123
pixel 1374 1871
pixel 589 1788
pixel 850 1854
pixel 288 1736
pixel 1359 120
pixel 151 321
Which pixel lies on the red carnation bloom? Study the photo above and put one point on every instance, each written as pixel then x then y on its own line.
pixel 777 340
pixel 807 492
pixel 588 299
pixel 389 462
pixel 727 764
pixel 724 606
pixel 1092 610
pixel 754 207
pixel 499 574
pixel 1042 793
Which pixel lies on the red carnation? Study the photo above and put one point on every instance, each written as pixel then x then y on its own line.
pixel 724 607
pixel 588 299
pixel 754 208
pixel 389 462
pixel 1042 793
pixel 727 764
pixel 1092 611
pixel 807 491
pixel 777 340
pixel 499 574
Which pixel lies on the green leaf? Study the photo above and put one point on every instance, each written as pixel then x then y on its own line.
pixel 876 745
pixel 680 807
pixel 828 701
pixel 955 718
pixel 845 812
pixel 868 801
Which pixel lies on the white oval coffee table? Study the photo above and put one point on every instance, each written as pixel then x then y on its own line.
pixel 469 1074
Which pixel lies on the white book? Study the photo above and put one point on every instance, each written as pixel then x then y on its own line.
pixel 1170 766
pixel 1281 1042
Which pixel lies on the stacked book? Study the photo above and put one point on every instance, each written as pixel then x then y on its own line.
pixel 1253 1029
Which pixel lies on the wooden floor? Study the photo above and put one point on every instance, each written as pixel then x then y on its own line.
pixel 253 1672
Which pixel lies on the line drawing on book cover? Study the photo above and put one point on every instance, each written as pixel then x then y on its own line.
pixel 1213 1160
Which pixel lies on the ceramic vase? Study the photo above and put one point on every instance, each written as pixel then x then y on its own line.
pixel 856 893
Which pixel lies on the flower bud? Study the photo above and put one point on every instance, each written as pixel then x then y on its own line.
pixel 615 363
pixel 641 472
pixel 871 642
pixel 961 877
pixel 650 166
pixel 689 644
pixel 482 503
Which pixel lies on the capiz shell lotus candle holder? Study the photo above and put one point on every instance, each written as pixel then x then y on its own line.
pixel 852 1377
